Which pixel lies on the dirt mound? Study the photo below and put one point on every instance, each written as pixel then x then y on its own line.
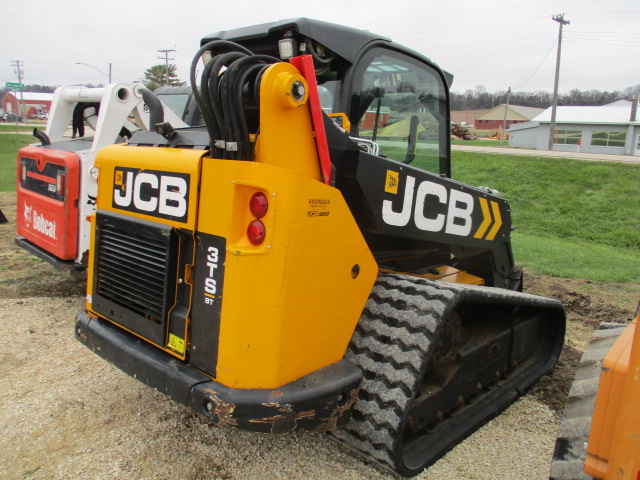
pixel 587 305
pixel 592 308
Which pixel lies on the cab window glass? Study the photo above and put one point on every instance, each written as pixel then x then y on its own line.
pixel 176 102
pixel 395 98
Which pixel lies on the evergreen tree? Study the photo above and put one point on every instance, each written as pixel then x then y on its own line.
pixel 156 76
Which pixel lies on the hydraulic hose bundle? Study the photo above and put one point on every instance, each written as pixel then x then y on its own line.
pixel 229 87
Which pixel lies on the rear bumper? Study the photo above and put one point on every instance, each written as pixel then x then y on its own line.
pixel 318 401
pixel 42 254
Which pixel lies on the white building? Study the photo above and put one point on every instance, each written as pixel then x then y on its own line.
pixel 608 129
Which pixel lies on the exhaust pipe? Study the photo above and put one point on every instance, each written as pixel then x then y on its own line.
pixel 156 112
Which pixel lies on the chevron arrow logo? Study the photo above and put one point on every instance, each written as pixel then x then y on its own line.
pixel 491 218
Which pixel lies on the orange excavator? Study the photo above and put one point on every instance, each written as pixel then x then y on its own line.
pixel 613 429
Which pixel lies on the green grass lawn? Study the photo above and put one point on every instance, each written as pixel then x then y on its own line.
pixel 9 146
pixel 573 218
pixel 11 127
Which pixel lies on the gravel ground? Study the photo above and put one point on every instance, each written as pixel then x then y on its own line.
pixel 67 414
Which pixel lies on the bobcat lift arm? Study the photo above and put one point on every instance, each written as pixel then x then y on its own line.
pixel 57 181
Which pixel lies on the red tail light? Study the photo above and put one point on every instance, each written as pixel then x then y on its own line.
pixel 60 181
pixel 259 204
pixel 256 232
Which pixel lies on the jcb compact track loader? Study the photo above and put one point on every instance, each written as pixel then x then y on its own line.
pixel 286 268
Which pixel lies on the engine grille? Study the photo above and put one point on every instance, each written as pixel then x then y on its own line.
pixel 134 273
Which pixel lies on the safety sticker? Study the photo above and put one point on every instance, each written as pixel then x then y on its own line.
pixel 176 344
pixel 391 185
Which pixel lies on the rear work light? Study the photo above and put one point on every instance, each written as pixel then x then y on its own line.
pixel 259 204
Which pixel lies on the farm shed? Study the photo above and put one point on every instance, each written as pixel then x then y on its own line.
pixel 494 118
pixel 608 129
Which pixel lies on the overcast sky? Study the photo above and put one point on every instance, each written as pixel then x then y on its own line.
pixel 494 44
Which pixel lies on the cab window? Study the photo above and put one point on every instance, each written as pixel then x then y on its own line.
pixel 176 102
pixel 396 97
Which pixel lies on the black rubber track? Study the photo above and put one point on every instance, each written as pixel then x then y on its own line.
pixel 392 344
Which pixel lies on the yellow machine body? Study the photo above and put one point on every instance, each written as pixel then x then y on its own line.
pixel 289 305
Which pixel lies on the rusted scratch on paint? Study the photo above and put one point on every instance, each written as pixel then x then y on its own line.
pixel 222 411
pixel 286 421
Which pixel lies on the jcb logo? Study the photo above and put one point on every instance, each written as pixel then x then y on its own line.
pixel 459 207
pixel 434 208
pixel 391 185
pixel 152 192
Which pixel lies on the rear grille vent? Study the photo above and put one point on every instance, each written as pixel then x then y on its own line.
pixel 134 273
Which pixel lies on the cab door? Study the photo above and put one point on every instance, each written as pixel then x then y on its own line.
pixel 400 103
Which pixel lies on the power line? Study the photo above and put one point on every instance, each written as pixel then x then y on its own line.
pixel 538 67
pixel 84 28
pixel 482 43
pixel 606 44
pixel 466 27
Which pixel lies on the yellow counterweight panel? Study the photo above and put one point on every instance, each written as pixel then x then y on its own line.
pixel 291 304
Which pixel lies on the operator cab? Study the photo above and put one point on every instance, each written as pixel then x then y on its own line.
pixel 396 100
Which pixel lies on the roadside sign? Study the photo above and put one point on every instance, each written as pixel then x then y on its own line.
pixel 17 86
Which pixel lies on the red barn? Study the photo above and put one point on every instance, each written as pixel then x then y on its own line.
pixel 32 103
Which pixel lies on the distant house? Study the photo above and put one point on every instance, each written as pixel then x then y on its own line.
pixel 494 118
pixel 608 129
pixel 33 103
pixel 466 116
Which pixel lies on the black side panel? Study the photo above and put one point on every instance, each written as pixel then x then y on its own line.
pixel 208 281
pixel 410 202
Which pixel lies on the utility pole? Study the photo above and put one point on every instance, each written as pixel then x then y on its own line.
pixel 97 69
pixel 166 60
pixel 18 64
pixel 554 102
pixel 504 120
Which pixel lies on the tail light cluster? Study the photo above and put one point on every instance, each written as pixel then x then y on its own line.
pixel 45 178
pixel 60 182
pixel 258 205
